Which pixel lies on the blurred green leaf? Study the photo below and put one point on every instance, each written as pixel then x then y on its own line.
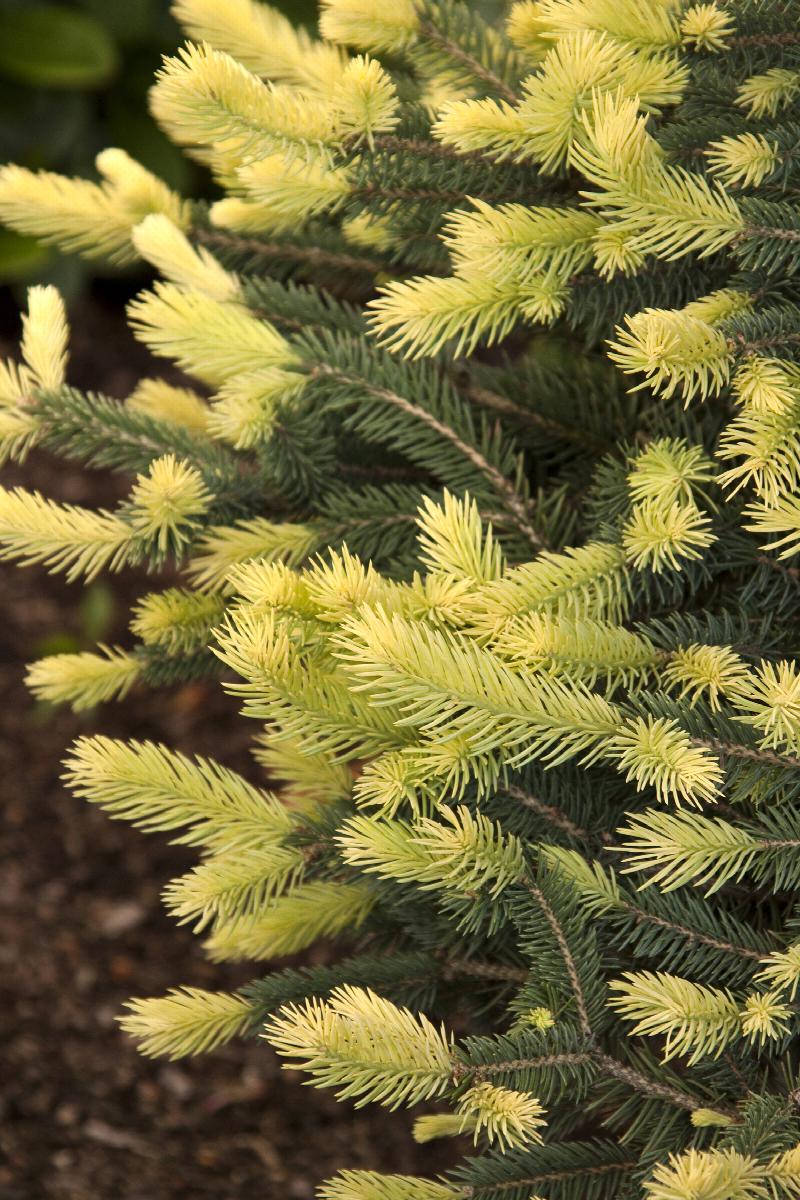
pixel 20 257
pixel 96 612
pixel 66 272
pixel 58 642
pixel 53 46
pixel 55 124
pixel 130 21
pixel 301 12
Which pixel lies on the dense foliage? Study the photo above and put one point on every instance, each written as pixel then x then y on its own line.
pixel 484 490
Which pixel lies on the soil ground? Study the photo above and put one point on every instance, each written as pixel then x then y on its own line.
pixel 82 928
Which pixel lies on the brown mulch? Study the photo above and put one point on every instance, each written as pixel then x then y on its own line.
pixel 82 928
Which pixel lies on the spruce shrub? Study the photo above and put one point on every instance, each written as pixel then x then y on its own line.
pixel 485 499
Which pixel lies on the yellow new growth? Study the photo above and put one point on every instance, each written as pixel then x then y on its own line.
pixel 763 95
pixel 44 338
pixel 185 1021
pixel 707 673
pixel 781 969
pixel 543 127
pixel 675 849
pixel 458 852
pixel 291 922
pixel 663 210
pixel 365 99
pixel 284 191
pixel 712 1174
pixel 160 242
pixel 44 352
pixel 656 535
pixel 669 470
pixel 366 1046
pixel 64 537
pixel 769 700
pixel 180 621
pixel 694 1020
pixel 167 503
pixel 244 409
pixel 158 790
pixel 167 402
pixel 369 24
pixel 510 1119
pixel 438 1125
pixel 223 546
pixel 369 1185
pixel 675 351
pixel 18 424
pixel 205 98
pixel 211 339
pixel 782 518
pixel 90 218
pixel 745 160
pixel 263 40
pixel 452 540
pixel 84 680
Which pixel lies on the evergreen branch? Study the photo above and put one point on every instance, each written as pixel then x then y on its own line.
pixel 789 572
pixel 459 54
pixel 566 954
pixel 754 753
pixel 767 231
pixel 552 814
pixel 692 935
pixel 499 482
pixel 394 144
pixel 743 347
pixel 453 967
pixel 622 1071
pixel 648 1087
pixel 530 417
pixel 104 433
pixel 450 710
pixel 310 256
pixel 535 1180
pixel 752 40
pixel 463 1070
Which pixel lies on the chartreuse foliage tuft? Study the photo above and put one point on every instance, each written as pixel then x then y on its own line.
pixel 481 495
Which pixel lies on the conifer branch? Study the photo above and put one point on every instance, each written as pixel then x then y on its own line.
pixel 545 1177
pixel 647 1087
pixel 691 935
pixel 552 814
pixel 499 483
pixel 344 493
pixel 310 256
pixel 622 1071
pixel 527 416
pixel 566 954
pixel 752 40
pixel 462 1070
pixel 789 572
pixel 754 753
pixel 393 143
pixel 460 55
pixel 453 967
